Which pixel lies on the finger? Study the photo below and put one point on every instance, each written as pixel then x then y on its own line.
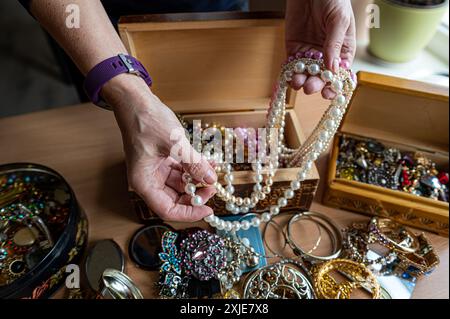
pixel 175 181
pixel 348 50
pixel 328 93
pixel 183 211
pixel 206 193
pixel 313 85
pixel 338 26
pixel 199 168
pixel 298 80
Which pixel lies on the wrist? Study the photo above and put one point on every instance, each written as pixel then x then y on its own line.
pixel 127 92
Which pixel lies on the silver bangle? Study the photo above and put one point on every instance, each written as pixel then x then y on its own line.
pixel 328 224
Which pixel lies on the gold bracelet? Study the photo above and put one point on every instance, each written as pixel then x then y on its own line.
pixel 360 276
pixel 393 235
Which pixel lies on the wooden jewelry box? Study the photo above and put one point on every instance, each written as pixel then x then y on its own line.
pixel 221 68
pixel 410 116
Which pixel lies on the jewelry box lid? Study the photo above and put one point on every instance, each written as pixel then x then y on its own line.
pixel 210 62
pixel 399 111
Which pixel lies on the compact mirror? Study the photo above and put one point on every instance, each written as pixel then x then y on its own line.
pixel 116 285
pixel 105 254
pixel 145 245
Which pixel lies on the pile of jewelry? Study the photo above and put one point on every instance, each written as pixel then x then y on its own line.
pixel 404 253
pixel 33 212
pixel 343 83
pixel 369 161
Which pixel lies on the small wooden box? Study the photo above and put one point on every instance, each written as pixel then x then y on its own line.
pixel 411 116
pixel 219 67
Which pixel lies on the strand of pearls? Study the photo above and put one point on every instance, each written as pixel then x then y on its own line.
pixel 343 84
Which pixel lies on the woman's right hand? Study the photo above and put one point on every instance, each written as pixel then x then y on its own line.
pixel 147 126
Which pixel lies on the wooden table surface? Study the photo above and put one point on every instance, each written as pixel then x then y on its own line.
pixel 83 143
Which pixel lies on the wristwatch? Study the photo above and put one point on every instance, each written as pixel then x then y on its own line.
pixel 108 69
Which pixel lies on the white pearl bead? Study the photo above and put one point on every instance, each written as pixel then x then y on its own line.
pixel 257 188
pixel 299 67
pixel 245 225
pixel 282 202
pixel 229 178
pixel 323 136
pixel 301 176
pixel 258 178
pixel 313 156
pixel 289 193
pixel 256 167
pixel 274 210
pixel 265 217
pixel 256 222
pixel 318 146
pixel 314 69
pixel 330 124
pixel 220 225
pixel 335 112
pixel 247 201
pixel 230 189
pixel 267 190
pixel 230 207
pixel 228 226
pixel 239 201
pixel 236 211
pixel 227 167
pixel 245 209
pixel 327 76
pixel 308 165
pixel 190 188
pixel 340 100
pixel 197 200
pixel 262 196
pixel 236 225
pixel 209 218
pixel 295 185
pixel 337 86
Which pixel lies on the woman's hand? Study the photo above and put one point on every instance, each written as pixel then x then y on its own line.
pixel 327 26
pixel 147 126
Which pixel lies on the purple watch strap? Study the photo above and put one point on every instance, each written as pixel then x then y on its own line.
pixel 108 69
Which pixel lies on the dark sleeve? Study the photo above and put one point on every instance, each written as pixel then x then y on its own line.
pixel 26 4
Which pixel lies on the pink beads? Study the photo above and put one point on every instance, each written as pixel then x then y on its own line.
pixel 309 54
pixel 345 64
pixel 318 55
pixel 300 54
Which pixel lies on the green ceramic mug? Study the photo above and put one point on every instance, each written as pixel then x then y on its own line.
pixel 404 29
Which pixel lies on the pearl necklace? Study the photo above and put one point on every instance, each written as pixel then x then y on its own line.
pixel 343 83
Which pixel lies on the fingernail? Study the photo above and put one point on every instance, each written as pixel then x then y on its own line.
pixel 210 177
pixel 336 63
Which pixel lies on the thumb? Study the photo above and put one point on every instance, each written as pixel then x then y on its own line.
pixel 336 31
pixel 197 166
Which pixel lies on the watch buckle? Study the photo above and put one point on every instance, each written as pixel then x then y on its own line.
pixel 128 63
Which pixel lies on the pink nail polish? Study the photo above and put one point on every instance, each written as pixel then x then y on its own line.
pixel 345 64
